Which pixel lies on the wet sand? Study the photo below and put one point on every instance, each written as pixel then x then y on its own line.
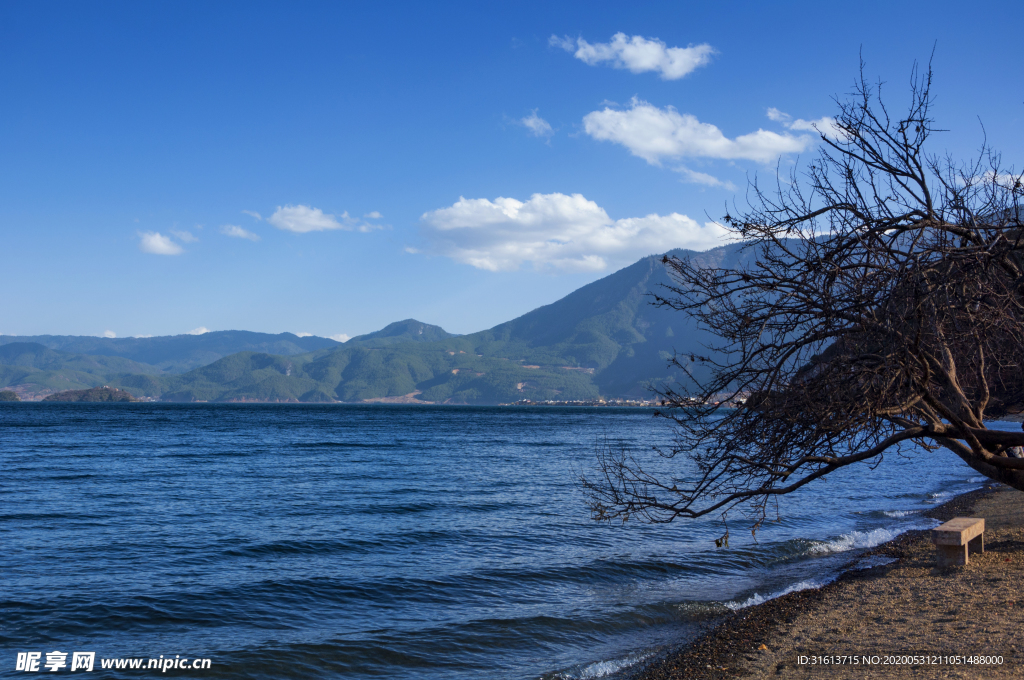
pixel 909 607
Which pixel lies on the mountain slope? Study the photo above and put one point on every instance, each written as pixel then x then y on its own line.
pixel 612 327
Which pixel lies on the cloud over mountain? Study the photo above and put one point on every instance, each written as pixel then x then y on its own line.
pixel 556 232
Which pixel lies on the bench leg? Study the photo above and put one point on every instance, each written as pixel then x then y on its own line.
pixel 976 544
pixel 951 555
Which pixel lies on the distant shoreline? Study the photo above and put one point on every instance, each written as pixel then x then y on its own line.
pixel 372 402
pixel 598 403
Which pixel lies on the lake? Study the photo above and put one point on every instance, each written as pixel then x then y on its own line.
pixel 399 542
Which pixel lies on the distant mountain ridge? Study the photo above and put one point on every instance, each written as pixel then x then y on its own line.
pixel 603 340
pixel 36 356
pixel 179 353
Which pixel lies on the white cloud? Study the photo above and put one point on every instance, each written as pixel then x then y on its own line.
pixel 142 336
pixel 198 331
pixel 340 337
pixel 303 335
pixel 185 236
pixel 825 125
pixel 556 231
pixel 373 215
pixel 638 54
pixel 253 214
pixel 653 134
pixel 109 334
pixel 237 232
pixel 694 177
pixel 303 219
pixel 156 243
pixel 537 126
pixel 566 43
pixel 1005 180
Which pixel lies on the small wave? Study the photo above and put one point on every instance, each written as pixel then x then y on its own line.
pixel 900 513
pixel 866 539
pixel 853 540
pixel 757 598
pixel 601 669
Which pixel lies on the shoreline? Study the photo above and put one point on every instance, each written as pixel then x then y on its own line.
pixel 382 401
pixel 766 639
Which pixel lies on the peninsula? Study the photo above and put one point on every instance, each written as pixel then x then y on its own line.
pixel 95 394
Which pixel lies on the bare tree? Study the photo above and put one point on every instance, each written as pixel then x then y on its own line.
pixel 883 305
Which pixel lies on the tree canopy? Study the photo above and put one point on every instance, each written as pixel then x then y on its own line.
pixel 882 306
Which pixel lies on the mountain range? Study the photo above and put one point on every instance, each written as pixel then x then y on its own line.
pixel 604 340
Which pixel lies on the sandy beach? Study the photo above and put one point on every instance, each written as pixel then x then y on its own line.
pixel 906 608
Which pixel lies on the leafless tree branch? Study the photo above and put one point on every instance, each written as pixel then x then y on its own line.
pixel 881 302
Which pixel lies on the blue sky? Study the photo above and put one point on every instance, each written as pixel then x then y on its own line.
pixel 329 168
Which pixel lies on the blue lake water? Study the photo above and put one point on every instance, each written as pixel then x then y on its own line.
pixel 399 542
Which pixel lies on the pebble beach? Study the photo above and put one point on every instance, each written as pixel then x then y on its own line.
pixel 904 618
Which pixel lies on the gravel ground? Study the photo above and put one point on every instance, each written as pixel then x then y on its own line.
pixel 909 608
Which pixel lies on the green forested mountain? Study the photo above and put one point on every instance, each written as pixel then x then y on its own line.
pixel 50 370
pixel 603 340
pixel 178 353
pixel 36 356
pixel 402 331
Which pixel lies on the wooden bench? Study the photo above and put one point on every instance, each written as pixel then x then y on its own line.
pixel 958 537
